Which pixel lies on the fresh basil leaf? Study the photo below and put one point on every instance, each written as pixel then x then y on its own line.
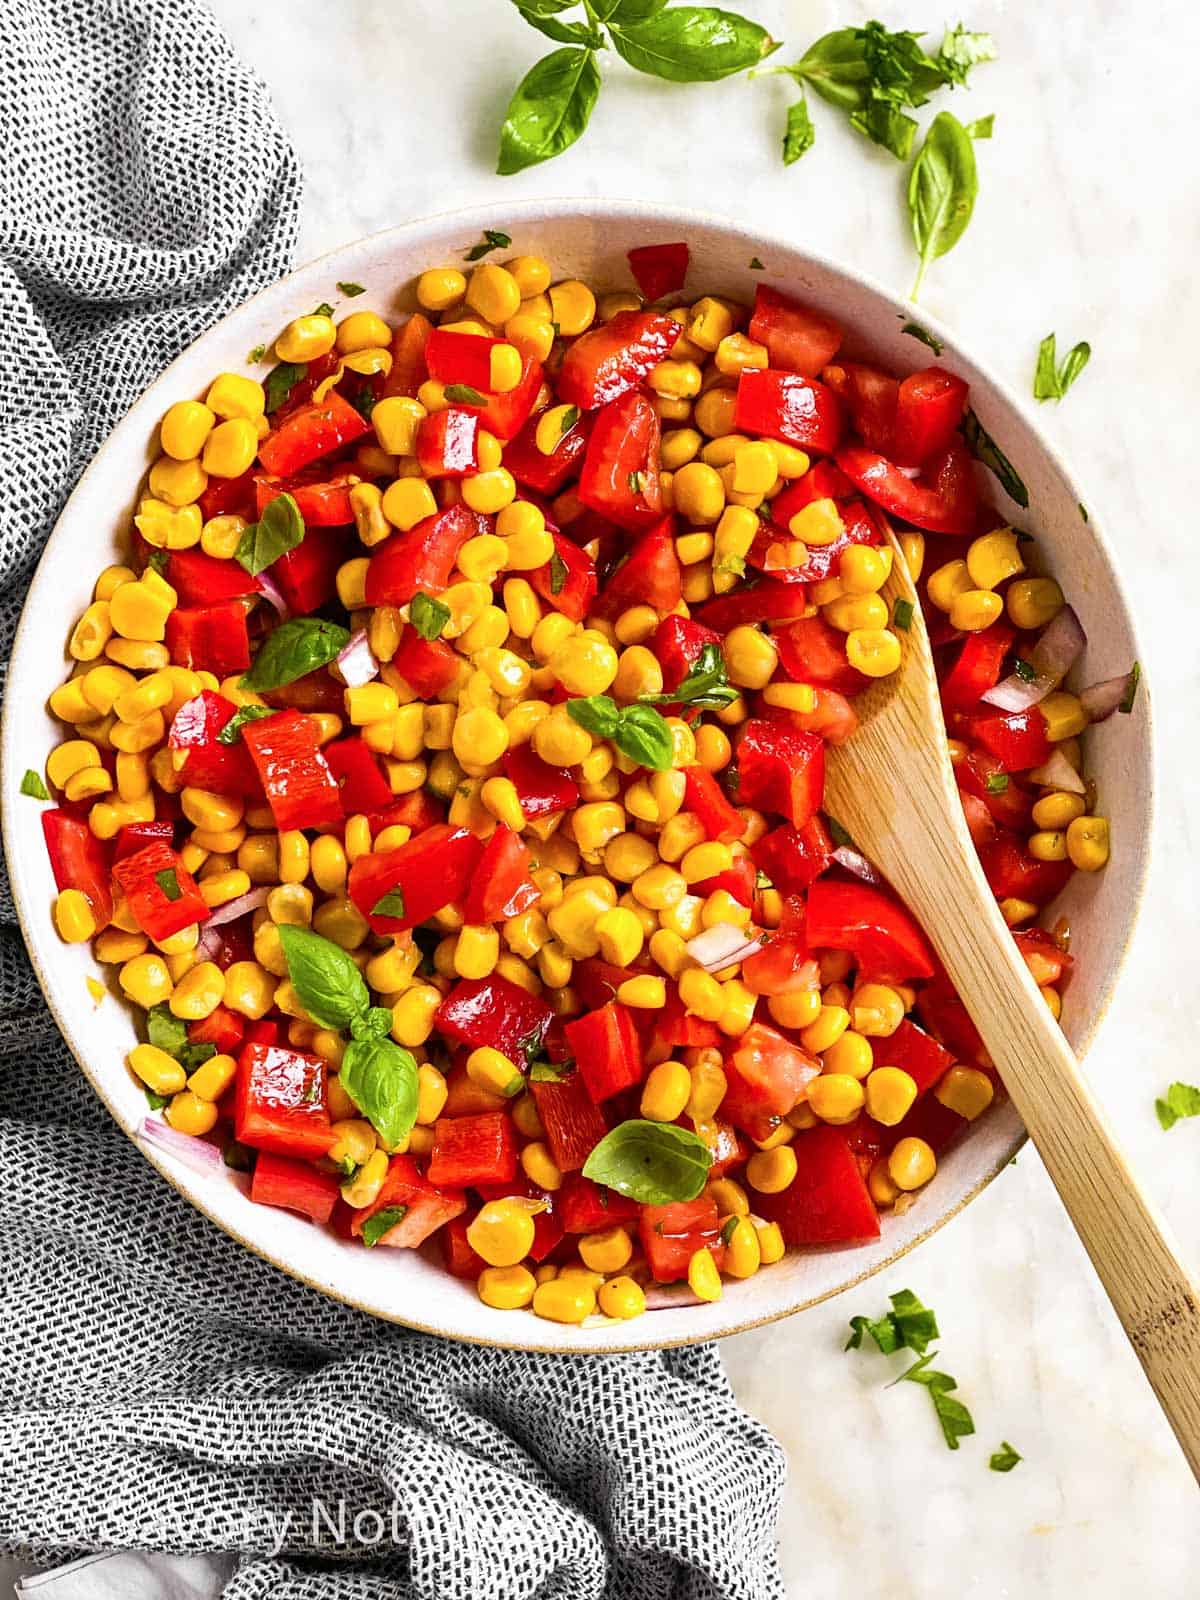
pixel 374 1023
pixel 294 649
pixel 706 684
pixel 230 733
pixel 168 882
pixel 351 290
pixel 1050 382
pixel 984 448
pixel 653 1163
pixel 1025 670
pixel 997 783
pixel 427 615
pixel 836 67
pixel 692 44
pixel 553 28
pixel 942 186
pixel 390 904
pixel 323 310
pixel 330 987
pixel 916 331
pixel 32 785
pixel 627 11
pixel 1135 678
pixel 1181 1100
pixel 157 561
pixel 256 354
pixel 902 615
pixel 567 421
pixel 756 265
pixel 643 735
pixel 900 71
pixel 549 109
pixel 955 1419
pixel 278 530
pixel 1083 512
pixel 381 1222
pixel 462 394
pixel 961 51
pixel 168 1032
pixel 598 713
pixel 799 133
pixel 156 1101
pixel 280 382
pixel 381 1079
pixel 882 1331
pixel 1004 1459
pixel 493 239
pixel 558 574
pixel 887 126
pixel 982 127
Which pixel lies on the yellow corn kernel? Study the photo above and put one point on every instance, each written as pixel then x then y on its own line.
pixel 567 1300
pixel 559 740
pixel 743 1251
pixel 572 306
pixel 831 1022
pixel 213 1077
pixel 306 338
pixel 644 993
pixel 92 632
pixel 770 1242
pixel 340 919
pixel 666 1091
pixel 890 1094
pixel 947 582
pixel 493 292
pixel 115 946
pixel 738 1010
pixel 363 1189
pixel 370 702
pixel 160 1072
pixel 705 861
pixel 1056 810
pixel 850 1053
pixel 538 1164
pixel 860 613
pixel 659 887
pixel 877 1009
pixel 703 1278
pixel 178 483
pixel 862 569
pixel 975 609
pixel 1088 843
pixel 139 611
pixel 965 1090
pixel 880 1186
pixel 479 737
pixel 911 1164
pixel 1053 999
pixel 492 1070
pixel 249 989
pixel 1064 714
pixel 1049 845
pixel 506 1288
pixel 476 952
pixel 222 887
pixel 1033 602
pixel 1015 912
pixel 622 1298
pixel 737 354
pixel 230 448
pixel 184 428
pixel 993 558
pixel 328 864
pixel 835 1097
pixel 412 1014
pixel 606 1252
pixel 408 501
pixel 199 993
pixel 875 652
pixel 750 657
pixel 146 981
pixel 220 536
pixel 73 917
pixel 502 1231
pixel 440 288
pixel 69 758
pixel 698 492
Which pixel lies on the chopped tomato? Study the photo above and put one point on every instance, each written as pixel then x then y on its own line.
pixel 280 1102
pixel 613 357
pixel 309 432
pixel 620 470
pixel 473 1150
pixel 80 861
pixel 977 667
pixel 786 406
pixel 546 474
pixel 408 370
pixel 421 1206
pixel 671 1234
pixel 300 789
pixel 649 575
pixel 797 337
pixel 607 1050
pixel 812 651
pixel 294 1186
pixel 707 802
pixel 568 580
pixel 658 269
pixel 794 857
pixel 941 499
pixel 767 1074
pixel 322 497
pixel 161 895
pixel 423 558
pixel 780 768
pixel 678 643
pixel 764 601
pixel 873 925
pixel 929 408
pixel 501 886
pixel 1017 739
pixel 448 443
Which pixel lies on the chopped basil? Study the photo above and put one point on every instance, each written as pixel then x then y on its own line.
pixel 955 1419
pixel 636 482
pixel 156 1101
pixel 1181 1100
pixel 329 984
pixel 916 331
pixel 390 904
pixel 706 684
pixel 280 382
pixel 961 51
pixel 839 835
pixel 638 731
pixel 728 1229
pixel 157 561
pixel 256 354
pixel 1050 381
pixel 909 1325
pixel 492 239
pixel 1004 1459
pixel 653 1163
pixel 1083 511
pixel 558 574
pixel 902 614
pixel 363 400
pixel 550 1071
pixel 169 883
pixel 351 290
pixel 1130 695
pixel 231 732
pixel 1024 670
pixel 997 783
pixel 239 1157
pixel 32 785
pixel 293 650
pixel 462 394
pixel 278 530
pixel 798 132
pixel 427 615
pixel 756 265
pixel 982 127
pixel 984 448
pixel 168 1032
pixel 323 310
pixel 381 1222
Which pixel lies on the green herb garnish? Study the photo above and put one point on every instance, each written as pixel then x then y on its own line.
pixel 1004 1459
pixel 982 127
pixel 351 290
pixel 462 394
pixel 916 331
pixel 653 1163
pixel 390 904
pixel 942 186
pixel 168 1032
pixel 839 835
pixel 638 731
pixel 256 354
pixel 381 1222
pixel 706 684
pixel 280 382
pixel 168 882
pixel 1130 695
pixel 323 310
pixel 798 132
pixel 293 650
pixel 1025 670
pixel 902 614
pixel 278 530
pixel 1050 381
pixel 984 448
pixel 492 239
pixel 32 785
pixel 231 732
pixel 1181 1100
pixel 955 1419
pixel 427 615
pixel 756 265
pixel 909 1325
pixel 997 783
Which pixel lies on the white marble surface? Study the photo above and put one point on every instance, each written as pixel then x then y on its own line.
pixel 1088 222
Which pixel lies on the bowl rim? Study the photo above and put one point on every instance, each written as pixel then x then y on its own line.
pixel 530 212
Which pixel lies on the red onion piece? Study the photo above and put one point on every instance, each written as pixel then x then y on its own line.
pixel 1100 700
pixel 668 1296
pixel 857 864
pixel 1058 773
pixel 1051 659
pixel 721 946
pixel 198 1154
pixel 233 909
pixel 356 663
pixel 271 591
pixel 208 943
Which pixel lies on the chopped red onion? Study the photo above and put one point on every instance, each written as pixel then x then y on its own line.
pixel 1050 660
pixel 196 1153
pixel 209 942
pixel 1058 773
pixel 721 946
pixel 272 592
pixel 857 864
pixel 1100 700
pixel 667 1296
pixel 356 663
pixel 233 909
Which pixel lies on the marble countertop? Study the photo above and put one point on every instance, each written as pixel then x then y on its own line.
pixel 1087 216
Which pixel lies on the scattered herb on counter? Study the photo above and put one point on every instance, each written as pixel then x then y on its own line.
pixel 909 1325
pixel 1004 1459
pixel 956 1421
pixel 1181 1100
pixel 982 127
pixel 1051 381
pixel 798 133
pixel 32 785
pixel 942 185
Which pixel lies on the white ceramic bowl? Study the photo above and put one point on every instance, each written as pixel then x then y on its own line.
pixel 585 238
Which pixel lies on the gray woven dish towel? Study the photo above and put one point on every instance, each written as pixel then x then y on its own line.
pixel 161 1387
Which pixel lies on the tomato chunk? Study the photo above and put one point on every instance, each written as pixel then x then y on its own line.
pixel 670 1236
pixel 797 337
pixel 786 406
pixel 613 358
pixel 781 768
pixel 873 925
pixel 620 470
pixel 309 432
pixel 423 558
pixel 607 1050
pixel 573 1122
pixel 568 580
pixel 423 1205
pixel 494 1011
pixel 473 1150
pixel 658 269
pixel 650 574
pixel 160 892
pixel 501 886
pixel 942 499
pixel 294 1186
pixel 209 638
pixel 80 861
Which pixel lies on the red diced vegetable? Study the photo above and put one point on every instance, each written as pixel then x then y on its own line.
pixel 780 768
pixel 294 1186
pixel 796 337
pixel 784 405
pixel 678 643
pixel 471 1150
pixel 767 1074
pixel 607 1050
pixel 416 879
pixel 914 1051
pixel 496 1012
pixel 80 861
pixel 929 408
pixel 280 1102
pixel 322 495
pixel 428 665
pixel 812 651
pixel 794 857
pixel 942 499
pixel 573 1122
pixel 221 1027
pixel 708 802
pixel 765 601
pixel 675 1026
pixel 827 1202
pixel 448 443
pixel 823 560
pixel 658 269
pixel 423 558
pixel 501 886
pixel 672 1234
pixel 568 580
pixel 135 836
pixel 209 638
pixel 541 789
pixel 587 1207
pixel 870 397
pixel 977 667
pixel 1013 874
pixel 307 576
pixel 613 357
pixel 160 892
pixel 460 358
pixel 311 431
pixel 201 580
pixel 300 788
pixel 425 1205
pixel 460 1258
pixel 1017 739
pixel 620 470
pixel 649 575
pixel 504 415
pixel 356 771
pixel 870 923
pixel 220 768
pixel 409 370
pixel 541 473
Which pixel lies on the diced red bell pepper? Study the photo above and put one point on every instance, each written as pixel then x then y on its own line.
pixel 300 789
pixel 307 576
pixel 219 768
pixel 672 1234
pixel 930 1120
pixel 942 499
pixel 675 1026
pixel 135 836
pixel 650 575
pixel 832 717
pixel 796 336
pixel 824 480
pixel 361 784
pixel 811 651
pixel 448 443
pixel 827 1201
pixel 870 397
pixel 160 891
pixel 914 1051
pixel 658 269
pixel 871 923
pixel 541 789
pixel 541 473
pixel 977 667
pixel 596 981
pixel 416 812
pixel 725 1145
pixel 822 560
pixel 607 1050
pixel 1009 803
pixel 1017 739
pixel 496 1012
pixel 460 358
pixel 613 357
pixel 587 1207
pixel 471 1150
pixel 322 495
pixel 80 861
pixel 229 497
pixel 981 825
pixel 620 470
pixel 1013 874
pixel 428 665
pixel 707 801
pixel 781 769
pixel 201 580
pixel 574 1124
pixel 280 1102
pixel 504 415
pixel 678 643
pixel 782 966
pixel 501 886
pixel 263 1032
pixel 209 638
pixel 794 857
pixel 784 405
pixel 423 558
pixel 568 580
pixel 430 871
pixel 408 371
pixel 945 1016
pixel 460 1258
pixel 221 1027
pixel 929 408
pixel 465 1097
pixel 737 880
pixel 293 1186
pixel 767 1074
pixel 309 432
pixel 425 1205
pixel 764 601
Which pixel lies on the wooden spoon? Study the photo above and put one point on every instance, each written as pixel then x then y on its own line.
pixel 893 788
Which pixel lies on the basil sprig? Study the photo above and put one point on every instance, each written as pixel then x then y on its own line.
pixel 427 615
pixel 379 1076
pixel 293 650
pixel 231 732
pixel 638 731
pixel 706 684
pixel 1050 381
pixel 942 186
pixel 278 530
pixel 653 1163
